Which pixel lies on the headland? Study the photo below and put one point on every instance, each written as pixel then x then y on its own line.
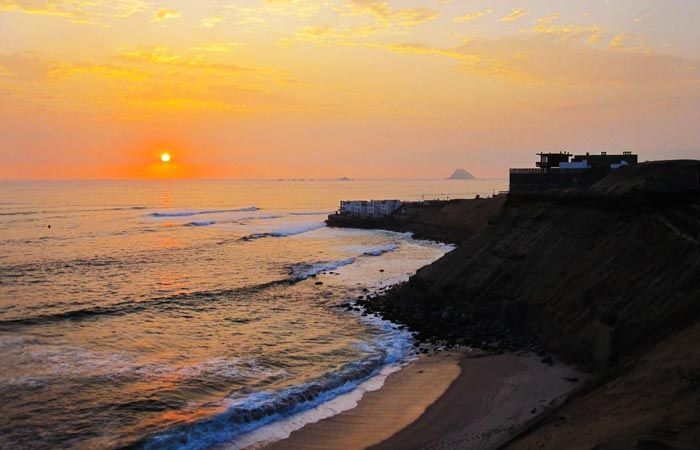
pixel 603 278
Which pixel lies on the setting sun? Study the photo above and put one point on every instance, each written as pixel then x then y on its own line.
pixel 165 157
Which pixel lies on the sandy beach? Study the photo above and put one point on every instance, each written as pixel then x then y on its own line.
pixel 447 400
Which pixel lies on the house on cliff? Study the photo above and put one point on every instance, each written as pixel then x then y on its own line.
pixel 560 170
pixel 372 208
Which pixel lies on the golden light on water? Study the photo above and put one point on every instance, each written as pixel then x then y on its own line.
pixel 165 157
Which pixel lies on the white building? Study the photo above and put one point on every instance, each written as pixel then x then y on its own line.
pixel 372 208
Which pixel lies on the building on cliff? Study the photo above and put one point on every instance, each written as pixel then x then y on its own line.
pixel 559 170
pixel 372 208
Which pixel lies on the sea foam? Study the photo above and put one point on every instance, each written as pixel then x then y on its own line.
pixel 299 272
pixel 271 415
pixel 285 232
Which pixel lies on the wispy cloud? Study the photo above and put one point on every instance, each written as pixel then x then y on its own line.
pixel 472 16
pixel 381 10
pixel 547 25
pixel 164 14
pixel 212 21
pixel 166 56
pixel 324 35
pixel 537 57
pixel 79 11
pixel 515 14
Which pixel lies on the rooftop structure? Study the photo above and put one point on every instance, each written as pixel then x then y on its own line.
pixel 557 170
pixel 552 160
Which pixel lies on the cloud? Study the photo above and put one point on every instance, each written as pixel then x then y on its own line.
pixel 628 42
pixel 419 49
pixel 301 9
pixel 216 47
pixel 79 11
pixel 165 56
pixel 381 10
pixel 560 59
pixel 472 16
pixel 164 14
pixel 212 21
pixel 324 35
pixel 30 67
pixel 546 25
pixel 563 60
pixel 515 14
pixel 60 70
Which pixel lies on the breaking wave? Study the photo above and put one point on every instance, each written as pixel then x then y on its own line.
pixel 299 272
pixel 378 251
pixel 284 232
pixel 202 223
pixel 200 212
pixel 247 413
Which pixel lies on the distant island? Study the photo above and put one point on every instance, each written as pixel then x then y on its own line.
pixel 461 174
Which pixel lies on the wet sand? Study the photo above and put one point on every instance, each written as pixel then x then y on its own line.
pixel 446 401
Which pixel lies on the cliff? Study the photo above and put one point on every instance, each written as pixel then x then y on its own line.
pixel 450 221
pixel 607 277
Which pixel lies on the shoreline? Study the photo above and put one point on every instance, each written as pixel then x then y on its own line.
pixel 450 399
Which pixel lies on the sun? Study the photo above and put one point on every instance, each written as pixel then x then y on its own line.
pixel 165 157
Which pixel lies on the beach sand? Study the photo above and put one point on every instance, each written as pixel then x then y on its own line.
pixel 449 400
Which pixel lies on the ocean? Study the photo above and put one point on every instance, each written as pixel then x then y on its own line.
pixel 193 314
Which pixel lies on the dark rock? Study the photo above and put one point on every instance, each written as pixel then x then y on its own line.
pixel 547 360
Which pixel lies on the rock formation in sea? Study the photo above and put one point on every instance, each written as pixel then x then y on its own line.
pixel 461 174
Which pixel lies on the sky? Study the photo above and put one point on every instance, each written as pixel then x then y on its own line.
pixel 327 88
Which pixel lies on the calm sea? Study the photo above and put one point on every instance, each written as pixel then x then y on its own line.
pixel 180 314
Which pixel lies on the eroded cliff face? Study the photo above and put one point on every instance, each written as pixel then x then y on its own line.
pixel 595 275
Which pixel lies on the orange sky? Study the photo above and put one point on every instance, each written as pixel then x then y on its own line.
pixel 328 88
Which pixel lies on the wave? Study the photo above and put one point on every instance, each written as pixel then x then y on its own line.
pixel 200 212
pixel 130 307
pixel 310 213
pixel 284 232
pixel 378 251
pixel 299 272
pixel 266 217
pixel 202 223
pixel 29 213
pixel 247 413
pixel 302 271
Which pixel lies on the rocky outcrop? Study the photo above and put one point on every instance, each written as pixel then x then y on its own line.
pixel 461 174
